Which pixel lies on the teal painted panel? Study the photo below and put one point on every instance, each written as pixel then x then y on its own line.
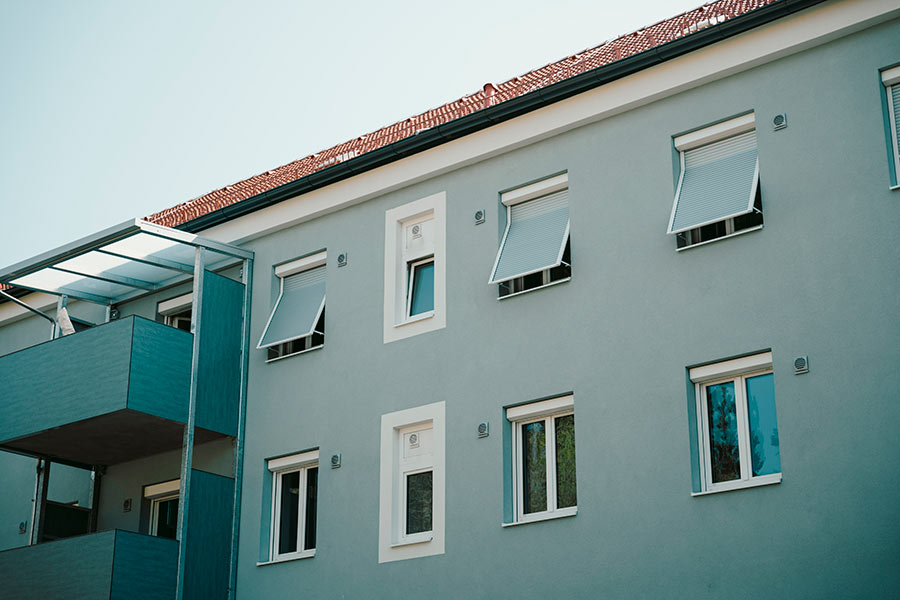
pixel 693 432
pixel 65 380
pixel 160 370
pixel 207 543
pixel 79 567
pixel 265 515
pixel 144 567
pixel 219 368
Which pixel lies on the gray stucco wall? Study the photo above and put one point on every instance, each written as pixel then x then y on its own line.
pixel 818 280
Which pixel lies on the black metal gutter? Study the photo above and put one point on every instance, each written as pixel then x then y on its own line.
pixel 504 111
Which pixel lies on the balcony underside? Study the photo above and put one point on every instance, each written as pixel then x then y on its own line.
pixel 108 439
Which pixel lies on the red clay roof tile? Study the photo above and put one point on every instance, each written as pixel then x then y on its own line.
pixel 604 54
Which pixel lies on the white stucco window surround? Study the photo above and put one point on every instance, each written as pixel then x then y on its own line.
pixel 411 498
pixel 415 268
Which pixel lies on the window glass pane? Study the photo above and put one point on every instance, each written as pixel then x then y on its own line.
pixel 534 469
pixel 422 289
pixel 765 453
pixel 565 461
pixel 290 507
pixel 312 480
pixel 167 518
pixel 418 502
pixel 724 452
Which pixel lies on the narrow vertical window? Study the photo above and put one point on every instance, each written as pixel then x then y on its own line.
pixel 544 459
pixel 738 445
pixel 420 298
pixel 294 505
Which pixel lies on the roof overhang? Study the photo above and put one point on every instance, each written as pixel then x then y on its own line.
pixel 120 263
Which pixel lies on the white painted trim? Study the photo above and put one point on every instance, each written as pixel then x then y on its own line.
pixel 740 485
pixel 288 558
pixel 301 264
pixel 542 408
pixel 271 360
pixel 390 546
pixel 714 133
pixel 294 461
pixel 535 190
pixel 730 368
pixel 571 511
pixel 176 304
pixel 410 284
pixel 890 76
pixel 786 36
pixel 158 490
pixel 397 325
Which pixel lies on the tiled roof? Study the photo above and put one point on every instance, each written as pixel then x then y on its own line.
pixel 609 52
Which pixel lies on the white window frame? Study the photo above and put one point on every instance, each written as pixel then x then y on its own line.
pixel 737 370
pixel 510 198
pixel 279 467
pixel 398 324
pixel 393 541
pixel 282 271
pixel 411 278
pixel 157 494
pixel 519 416
pixel 704 137
pixel 890 78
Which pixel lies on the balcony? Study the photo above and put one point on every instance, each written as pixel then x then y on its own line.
pixel 111 565
pixel 102 396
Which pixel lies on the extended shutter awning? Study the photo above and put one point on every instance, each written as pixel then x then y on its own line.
pixel 298 308
pixel 536 234
pixel 718 181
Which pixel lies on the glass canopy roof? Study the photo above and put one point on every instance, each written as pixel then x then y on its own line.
pixel 121 262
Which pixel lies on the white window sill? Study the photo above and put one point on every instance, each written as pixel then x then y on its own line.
pixel 288 558
pixel 894 188
pixel 540 287
pixel 271 360
pixel 416 319
pixel 742 485
pixel 558 514
pixel 719 239
pixel 411 540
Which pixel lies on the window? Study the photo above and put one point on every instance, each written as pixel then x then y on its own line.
pixel 891 80
pixel 718 193
pixel 294 505
pixel 411 509
pixel 543 459
pixel 297 322
pixel 176 312
pixel 163 499
pixel 737 427
pixel 534 251
pixel 414 289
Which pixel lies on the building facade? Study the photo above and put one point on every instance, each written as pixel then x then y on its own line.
pixel 636 340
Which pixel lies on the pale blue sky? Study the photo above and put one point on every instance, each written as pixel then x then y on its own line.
pixel 114 110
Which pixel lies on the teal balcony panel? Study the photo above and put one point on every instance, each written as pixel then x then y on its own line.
pixel 109 394
pixel 112 565
pixel 207 546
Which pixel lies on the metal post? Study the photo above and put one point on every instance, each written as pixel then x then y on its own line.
pixel 96 476
pixel 40 500
pixel 247 280
pixel 187 448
